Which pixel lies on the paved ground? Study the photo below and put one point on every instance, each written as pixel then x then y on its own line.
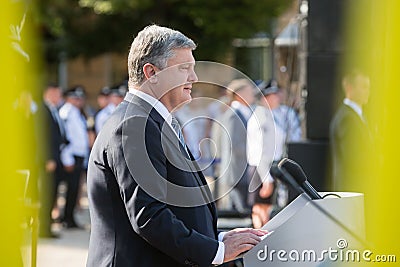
pixel 70 250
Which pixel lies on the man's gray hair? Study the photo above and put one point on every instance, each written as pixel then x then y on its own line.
pixel 154 45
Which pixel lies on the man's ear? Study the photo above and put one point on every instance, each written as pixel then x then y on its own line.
pixel 149 71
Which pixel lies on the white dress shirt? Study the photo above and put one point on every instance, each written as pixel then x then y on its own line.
pixel 102 116
pixel 354 106
pixel 261 143
pixel 287 129
pixel 76 133
pixel 163 111
pixel 154 103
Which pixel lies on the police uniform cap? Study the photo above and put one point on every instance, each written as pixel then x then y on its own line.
pixel 105 91
pixel 119 91
pixel 267 88
pixel 77 91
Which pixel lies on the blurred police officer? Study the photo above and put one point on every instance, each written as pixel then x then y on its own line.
pixel 75 154
pixel 115 96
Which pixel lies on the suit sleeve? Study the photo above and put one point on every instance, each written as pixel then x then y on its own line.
pixel 345 133
pixel 237 134
pixel 347 146
pixel 139 165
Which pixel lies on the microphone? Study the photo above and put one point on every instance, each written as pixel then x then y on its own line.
pixel 294 169
pixel 281 174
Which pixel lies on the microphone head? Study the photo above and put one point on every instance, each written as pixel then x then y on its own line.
pixel 285 177
pixel 281 162
pixel 275 171
pixel 290 168
pixel 294 169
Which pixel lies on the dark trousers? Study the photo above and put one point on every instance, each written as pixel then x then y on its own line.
pixel 72 179
pixel 48 185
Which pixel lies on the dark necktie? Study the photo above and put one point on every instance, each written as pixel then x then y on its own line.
pixel 177 128
pixel 59 121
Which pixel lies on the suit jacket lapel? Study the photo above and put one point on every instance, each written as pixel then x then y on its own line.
pixel 168 132
pixel 209 198
pixel 190 161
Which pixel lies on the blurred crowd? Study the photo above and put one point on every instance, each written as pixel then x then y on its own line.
pixel 65 127
pixel 235 136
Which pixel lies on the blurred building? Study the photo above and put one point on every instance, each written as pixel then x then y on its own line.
pixel 110 69
pixel 105 70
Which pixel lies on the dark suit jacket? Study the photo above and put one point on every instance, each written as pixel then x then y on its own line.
pixel 350 141
pixel 51 138
pixel 135 170
pixel 234 160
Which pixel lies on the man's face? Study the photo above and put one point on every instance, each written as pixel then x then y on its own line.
pixel 175 81
pixel 102 101
pixel 54 95
pixel 273 100
pixel 247 94
pixel 361 89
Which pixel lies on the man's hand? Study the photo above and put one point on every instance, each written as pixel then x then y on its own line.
pixel 267 189
pixel 51 165
pixel 240 240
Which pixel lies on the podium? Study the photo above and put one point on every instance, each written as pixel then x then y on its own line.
pixel 328 233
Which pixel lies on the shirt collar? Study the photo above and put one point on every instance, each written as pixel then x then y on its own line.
pixel 50 105
pixel 158 106
pixel 354 106
pixel 246 111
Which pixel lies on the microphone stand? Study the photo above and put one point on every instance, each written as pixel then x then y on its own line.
pixel 288 179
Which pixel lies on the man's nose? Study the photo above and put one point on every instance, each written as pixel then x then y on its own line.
pixel 193 77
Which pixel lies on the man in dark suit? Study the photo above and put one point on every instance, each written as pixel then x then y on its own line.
pixel 235 177
pixel 55 139
pixel 149 202
pixel 349 134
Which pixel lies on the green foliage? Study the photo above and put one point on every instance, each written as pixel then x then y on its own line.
pixel 92 27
